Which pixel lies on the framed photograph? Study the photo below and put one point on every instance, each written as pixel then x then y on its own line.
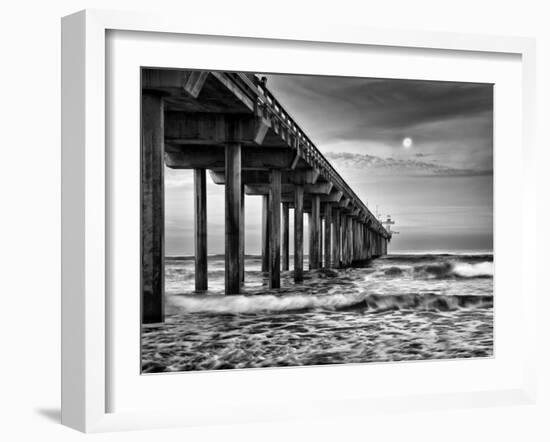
pixel 265 223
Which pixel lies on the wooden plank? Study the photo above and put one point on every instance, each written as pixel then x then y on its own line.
pixel 152 208
pixel 315 231
pixel 261 127
pixel 201 248
pixel 195 82
pixel 328 236
pixel 265 233
pixel 232 218
pixel 226 80
pixel 275 230
pixel 299 234
pixel 286 237
pixel 295 161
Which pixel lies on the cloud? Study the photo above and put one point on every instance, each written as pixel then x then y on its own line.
pixel 390 103
pixel 346 160
pixel 450 121
pixel 174 178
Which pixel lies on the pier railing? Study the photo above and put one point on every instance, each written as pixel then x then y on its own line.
pixel 268 107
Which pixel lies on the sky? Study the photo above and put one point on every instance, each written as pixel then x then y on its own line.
pixel 419 151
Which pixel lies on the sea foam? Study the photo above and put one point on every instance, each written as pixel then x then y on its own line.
pixel 467 270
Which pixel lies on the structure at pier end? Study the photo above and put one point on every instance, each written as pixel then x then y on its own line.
pixel 231 126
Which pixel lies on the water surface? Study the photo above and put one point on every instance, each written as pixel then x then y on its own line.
pixel 396 308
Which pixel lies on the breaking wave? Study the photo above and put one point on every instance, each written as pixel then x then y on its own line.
pixel 457 270
pixel 241 304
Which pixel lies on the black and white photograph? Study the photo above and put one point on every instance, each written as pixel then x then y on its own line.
pixel 299 220
pixel 255 221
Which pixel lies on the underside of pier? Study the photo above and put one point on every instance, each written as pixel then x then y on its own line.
pixel 229 128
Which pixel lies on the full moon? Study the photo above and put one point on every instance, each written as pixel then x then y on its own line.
pixel 407 142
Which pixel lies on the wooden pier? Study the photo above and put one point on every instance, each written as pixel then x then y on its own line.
pixel 229 126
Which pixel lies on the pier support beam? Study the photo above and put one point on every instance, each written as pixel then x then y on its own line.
pixel 265 233
pixel 354 244
pixel 328 236
pixel 360 240
pixel 232 218
pixel 275 229
pixel 315 230
pixel 201 248
pixel 298 234
pixel 366 240
pixel 371 244
pixel 356 240
pixel 310 239
pixel 360 237
pixel 152 208
pixel 321 238
pixel 286 237
pixel 241 237
pixel 350 239
pixel 335 238
pixel 344 227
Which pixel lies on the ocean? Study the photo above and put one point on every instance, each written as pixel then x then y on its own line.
pixel 396 308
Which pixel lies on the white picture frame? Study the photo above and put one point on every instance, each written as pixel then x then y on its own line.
pixel 85 213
